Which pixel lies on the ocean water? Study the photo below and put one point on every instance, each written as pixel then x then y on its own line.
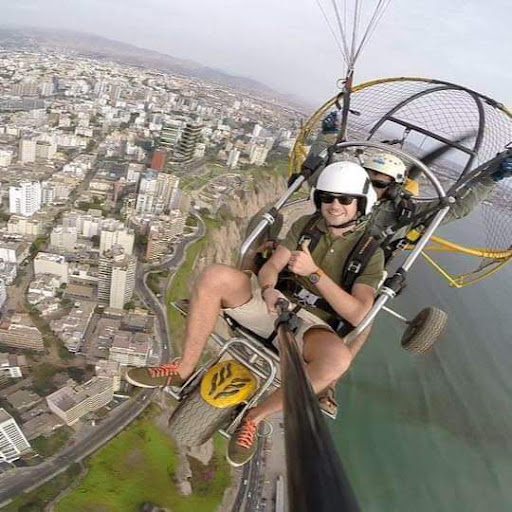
pixel 434 432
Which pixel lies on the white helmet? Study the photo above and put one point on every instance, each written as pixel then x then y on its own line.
pixel 387 164
pixel 346 178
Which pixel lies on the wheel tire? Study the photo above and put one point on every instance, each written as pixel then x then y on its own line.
pixel 424 330
pixel 195 421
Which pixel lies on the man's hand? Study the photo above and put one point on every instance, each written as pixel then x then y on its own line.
pixel 504 170
pixel 301 262
pixel 270 297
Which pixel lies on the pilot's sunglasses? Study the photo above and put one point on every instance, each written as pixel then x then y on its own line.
pixel 380 183
pixel 329 198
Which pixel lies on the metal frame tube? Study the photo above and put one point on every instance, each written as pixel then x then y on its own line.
pixel 402 154
pixel 387 293
pixel 269 219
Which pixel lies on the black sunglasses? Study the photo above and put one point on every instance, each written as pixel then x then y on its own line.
pixel 380 183
pixel 327 198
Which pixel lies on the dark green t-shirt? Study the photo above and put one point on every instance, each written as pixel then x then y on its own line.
pixel 331 253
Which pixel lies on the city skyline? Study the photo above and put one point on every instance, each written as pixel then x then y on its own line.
pixel 434 40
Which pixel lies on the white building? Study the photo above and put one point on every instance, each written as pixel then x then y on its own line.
pixel 26 226
pixel 130 349
pixel 122 283
pixel 72 402
pixel 233 157
pixel 3 293
pixel 27 150
pixel 13 443
pixel 5 158
pixel 46 150
pixel 25 198
pixel 256 130
pixel 116 234
pixel 64 238
pixel 259 155
pixel 14 252
pixel 111 370
pixel 10 365
pixel 155 192
pixel 116 277
pixel 48 263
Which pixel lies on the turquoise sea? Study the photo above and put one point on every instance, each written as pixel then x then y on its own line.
pixel 434 432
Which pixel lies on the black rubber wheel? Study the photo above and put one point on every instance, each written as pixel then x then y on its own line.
pixel 195 421
pixel 424 330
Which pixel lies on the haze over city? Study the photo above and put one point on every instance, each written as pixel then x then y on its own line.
pixel 287 45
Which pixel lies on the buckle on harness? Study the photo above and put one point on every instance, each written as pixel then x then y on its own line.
pixel 402 243
pixel 354 266
pixel 306 297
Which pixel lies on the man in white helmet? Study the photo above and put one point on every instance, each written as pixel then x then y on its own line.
pixel 342 196
pixel 384 170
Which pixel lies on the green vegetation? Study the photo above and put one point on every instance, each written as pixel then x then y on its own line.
pixel 139 466
pixel 36 500
pixel 153 281
pixel 47 446
pixel 37 245
pixel 179 290
pixel 42 378
pixel 189 182
pixel 191 221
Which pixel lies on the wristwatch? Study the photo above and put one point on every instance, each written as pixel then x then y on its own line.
pixel 316 275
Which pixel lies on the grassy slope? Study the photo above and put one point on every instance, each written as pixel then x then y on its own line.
pixel 137 467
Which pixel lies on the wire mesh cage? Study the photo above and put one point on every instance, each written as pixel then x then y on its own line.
pixel 422 116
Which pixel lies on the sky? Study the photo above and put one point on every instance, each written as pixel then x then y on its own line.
pixel 287 45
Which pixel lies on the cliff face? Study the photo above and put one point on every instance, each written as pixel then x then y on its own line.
pixel 224 243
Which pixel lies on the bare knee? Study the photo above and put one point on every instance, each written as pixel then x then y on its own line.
pixel 328 349
pixel 213 275
pixel 227 283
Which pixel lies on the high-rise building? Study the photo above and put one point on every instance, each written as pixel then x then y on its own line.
pixel 26 87
pixel 233 157
pixel 3 293
pixel 122 282
pixel 46 150
pixel 115 93
pixel 256 130
pixel 116 273
pixel 190 138
pixel 27 150
pixel 27 226
pixel 259 155
pixel 64 238
pixel 170 134
pixel 155 192
pixel 13 442
pixel 161 234
pixel 5 158
pixel 25 198
pixel 117 235
pixel 47 88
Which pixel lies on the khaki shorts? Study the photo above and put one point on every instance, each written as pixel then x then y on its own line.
pixel 254 316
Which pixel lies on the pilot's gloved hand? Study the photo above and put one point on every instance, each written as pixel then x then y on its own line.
pixel 504 170
pixel 332 122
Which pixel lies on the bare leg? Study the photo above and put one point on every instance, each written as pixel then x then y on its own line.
pixel 327 358
pixel 218 286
